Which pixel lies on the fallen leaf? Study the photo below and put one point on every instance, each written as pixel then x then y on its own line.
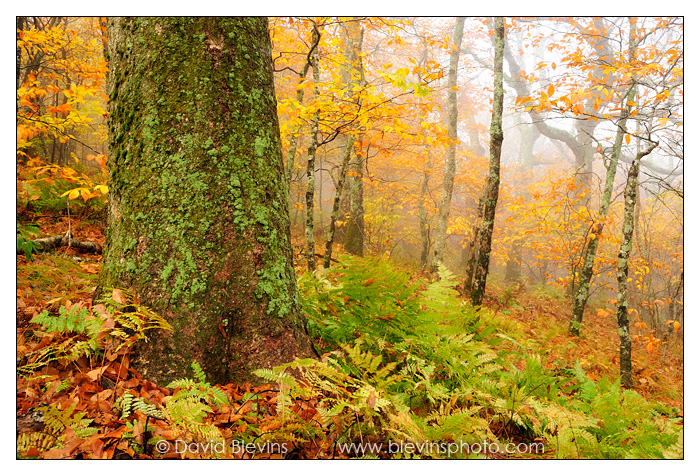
pixel 96 373
pixel 118 296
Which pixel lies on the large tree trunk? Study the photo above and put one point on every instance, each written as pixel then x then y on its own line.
pixel 198 223
pixel 443 213
pixel 494 179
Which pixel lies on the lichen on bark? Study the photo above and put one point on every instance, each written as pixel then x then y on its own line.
pixel 198 220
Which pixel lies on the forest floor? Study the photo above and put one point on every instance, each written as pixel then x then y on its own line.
pixel 80 394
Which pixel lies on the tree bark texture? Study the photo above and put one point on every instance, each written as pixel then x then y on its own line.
pixel 472 250
pixel 423 224
pixel 355 230
pixel 353 75
pixel 623 325
pixel 494 179
pixel 198 223
pixel 583 286
pixel 443 213
pixel 294 138
pixel 335 212
pixel 311 160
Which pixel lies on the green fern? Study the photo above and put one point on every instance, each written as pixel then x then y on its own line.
pixel 427 358
pixel 57 418
pixel 192 402
pixel 88 333
pixel 76 319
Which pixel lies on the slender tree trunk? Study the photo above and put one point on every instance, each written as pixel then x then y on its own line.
pixel 294 139
pixel 423 221
pixel 20 27
pixel 349 146
pixel 494 179
pixel 311 161
pixel 472 251
pixel 515 257
pixel 450 160
pixel 582 288
pixel 355 230
pixel 353 75
pixel 623 325
pixel 528 137
pixel 198 224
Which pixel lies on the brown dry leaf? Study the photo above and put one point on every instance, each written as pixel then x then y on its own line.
pixel 122 369
pixel 371 399
pixel 118 296
pixel 96 373
pixel 104 418
pixel 103 395
pixel 101 311
pixel 97 448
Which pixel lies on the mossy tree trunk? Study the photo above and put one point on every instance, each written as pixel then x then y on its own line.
pixel 490 197
pixel 581 288
pixel 443 213
pixel 198 224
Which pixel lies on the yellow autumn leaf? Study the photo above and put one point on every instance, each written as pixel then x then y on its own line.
pixel 72 194
pixel 550 90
